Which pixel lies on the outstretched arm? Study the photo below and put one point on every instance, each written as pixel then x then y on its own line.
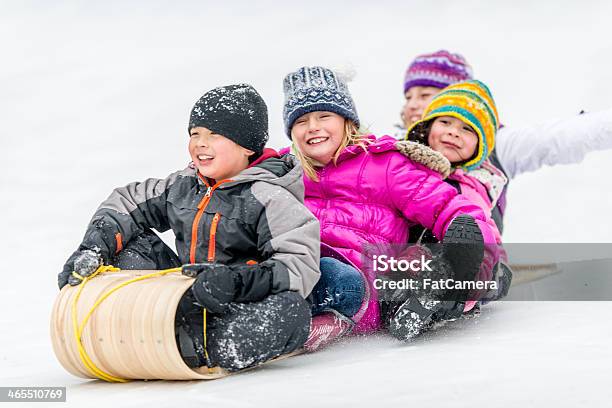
pixel 121 217
pixel 561 141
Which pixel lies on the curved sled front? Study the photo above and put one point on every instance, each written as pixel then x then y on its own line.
pixel 130 335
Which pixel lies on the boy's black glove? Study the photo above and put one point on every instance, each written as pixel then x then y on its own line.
pixel 218 285
pixel 83 262
pixel 215 285
pixel 96 248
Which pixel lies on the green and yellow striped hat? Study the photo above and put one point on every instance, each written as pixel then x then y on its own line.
pixel 472 103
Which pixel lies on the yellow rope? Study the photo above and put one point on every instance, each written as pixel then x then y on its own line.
pixel 78 328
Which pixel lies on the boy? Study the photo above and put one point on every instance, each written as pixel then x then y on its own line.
pixel 238 216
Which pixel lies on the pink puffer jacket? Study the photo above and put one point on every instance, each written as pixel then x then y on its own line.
pixel 374 197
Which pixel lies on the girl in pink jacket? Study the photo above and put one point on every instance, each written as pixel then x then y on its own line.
pixel 365 191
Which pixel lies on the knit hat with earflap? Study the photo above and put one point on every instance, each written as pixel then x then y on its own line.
pixel 237 112
pixel 472 103
pixel 311 89
pixel 439 69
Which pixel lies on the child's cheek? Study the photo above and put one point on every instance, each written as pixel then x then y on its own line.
pixel 431 138
pixel 474 140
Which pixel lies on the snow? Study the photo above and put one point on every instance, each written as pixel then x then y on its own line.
pixel 97 95
pixel 514 354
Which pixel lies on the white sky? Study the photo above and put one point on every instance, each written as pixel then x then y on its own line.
pixel 96 95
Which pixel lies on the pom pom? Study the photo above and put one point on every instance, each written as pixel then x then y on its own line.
pixel 346 72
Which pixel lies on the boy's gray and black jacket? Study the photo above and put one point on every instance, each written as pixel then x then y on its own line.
pixel 256 217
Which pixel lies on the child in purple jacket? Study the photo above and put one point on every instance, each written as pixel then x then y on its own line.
pixel 365 191
pixel 519 149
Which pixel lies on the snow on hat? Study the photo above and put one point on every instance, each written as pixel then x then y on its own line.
pixel 472 103
pixel 237 112
pixel 311 89
pixel 439 70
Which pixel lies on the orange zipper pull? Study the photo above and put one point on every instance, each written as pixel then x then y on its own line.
pixel 204 200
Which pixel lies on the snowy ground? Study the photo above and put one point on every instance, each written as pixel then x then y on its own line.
pixel 98 95
pixel 515 354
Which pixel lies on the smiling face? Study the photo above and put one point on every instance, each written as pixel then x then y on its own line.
pixel 417 99
pixel 456 140
pixel 216 156
pixel 318 135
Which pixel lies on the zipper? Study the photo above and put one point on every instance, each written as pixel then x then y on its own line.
pixel 196 221
pixel 321 182
pixel 212 236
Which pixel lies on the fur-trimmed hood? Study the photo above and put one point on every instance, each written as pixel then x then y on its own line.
pixel 425 155
pixel 487 180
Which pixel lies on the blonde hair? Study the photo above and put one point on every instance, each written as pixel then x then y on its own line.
pixel 353 135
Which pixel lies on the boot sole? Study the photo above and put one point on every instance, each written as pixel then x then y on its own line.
pixel 463 230
pixel 466 247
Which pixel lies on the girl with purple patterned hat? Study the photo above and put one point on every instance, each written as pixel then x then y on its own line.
pixel 426 76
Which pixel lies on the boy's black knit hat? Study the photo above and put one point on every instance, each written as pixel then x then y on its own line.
pixel 237 112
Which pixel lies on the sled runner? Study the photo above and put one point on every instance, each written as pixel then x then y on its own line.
pixel 525 273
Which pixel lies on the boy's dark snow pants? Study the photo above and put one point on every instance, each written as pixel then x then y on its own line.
pixel 249 334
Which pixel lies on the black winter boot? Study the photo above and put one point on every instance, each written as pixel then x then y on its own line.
pixel 460 259
pixel 463 248
pixel 417 315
